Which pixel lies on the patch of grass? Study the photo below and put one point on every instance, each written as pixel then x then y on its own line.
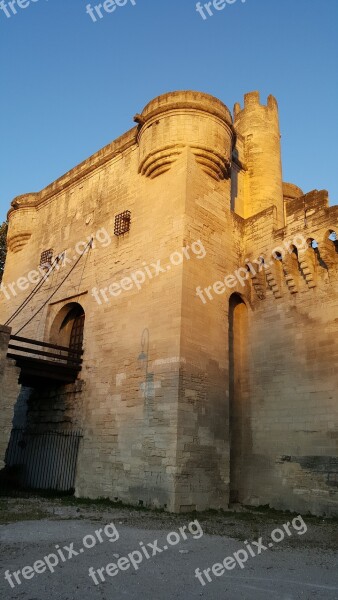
pixel 107 503
pixel 273 513
pixel 10 513
pixel 17 517
pixel 245 514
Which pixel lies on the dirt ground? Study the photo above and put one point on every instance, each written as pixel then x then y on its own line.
pixel 303 565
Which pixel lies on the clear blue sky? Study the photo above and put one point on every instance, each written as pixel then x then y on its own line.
pixel 70 86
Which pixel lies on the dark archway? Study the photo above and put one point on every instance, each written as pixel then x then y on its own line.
pixel 45 440
pixel 238 393
pixel 68 326
pixel 74 322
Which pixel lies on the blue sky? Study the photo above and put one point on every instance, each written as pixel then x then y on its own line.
pixel 70 86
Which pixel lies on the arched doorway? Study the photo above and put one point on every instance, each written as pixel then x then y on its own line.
pixel 46 444
pixel 238 394
pixel 74 323
pixel 68 326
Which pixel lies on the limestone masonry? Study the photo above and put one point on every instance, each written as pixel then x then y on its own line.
pixel 180 403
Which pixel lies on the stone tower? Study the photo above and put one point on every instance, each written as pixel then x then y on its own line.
pixel 258 127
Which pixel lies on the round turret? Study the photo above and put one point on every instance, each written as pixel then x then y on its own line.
pixel 259 127
pixel 21 218
pixel 171 122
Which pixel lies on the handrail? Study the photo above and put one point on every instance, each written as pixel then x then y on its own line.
pixel 43 353
pixel 42 362
pixel 17 338
pixel 62 356
pixel 49 363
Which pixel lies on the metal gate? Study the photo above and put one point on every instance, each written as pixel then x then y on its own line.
pixel 46 460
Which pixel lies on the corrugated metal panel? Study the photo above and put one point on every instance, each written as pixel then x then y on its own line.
pixel 48 459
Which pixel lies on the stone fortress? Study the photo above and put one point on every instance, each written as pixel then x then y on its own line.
pixel 182 403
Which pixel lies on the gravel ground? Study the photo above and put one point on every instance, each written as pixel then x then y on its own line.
pixel 301 566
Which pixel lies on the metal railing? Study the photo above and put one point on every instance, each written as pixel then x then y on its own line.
pixel 22 347
pixel 42 363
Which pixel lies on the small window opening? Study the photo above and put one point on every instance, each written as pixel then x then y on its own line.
pixel 122 223
pixel 46 258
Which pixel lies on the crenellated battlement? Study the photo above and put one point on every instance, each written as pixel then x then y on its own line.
pixel 252 102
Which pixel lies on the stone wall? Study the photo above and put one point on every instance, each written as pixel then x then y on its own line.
pixel 9 391
pixel 293 346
